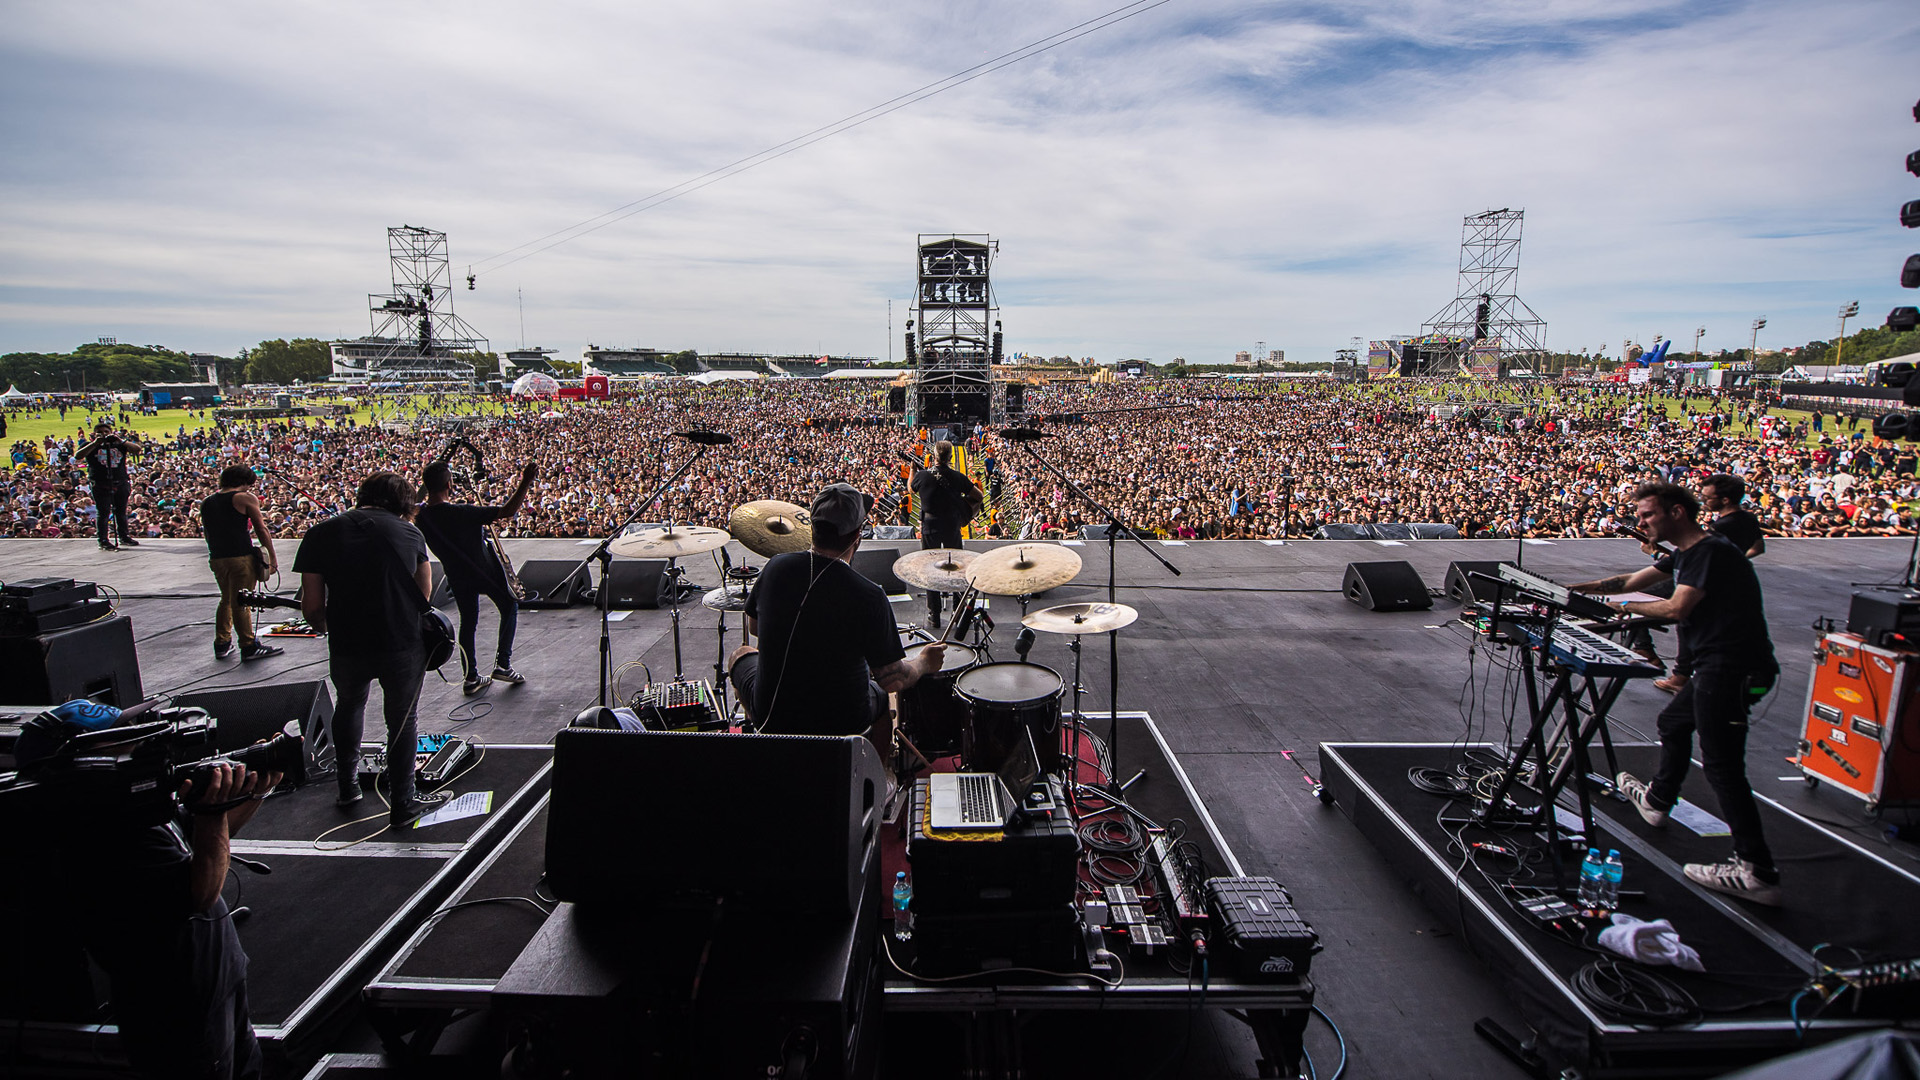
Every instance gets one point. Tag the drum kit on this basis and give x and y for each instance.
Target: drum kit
(974, 706)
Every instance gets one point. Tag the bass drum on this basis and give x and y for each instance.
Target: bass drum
(930, 715)
(1001, 700)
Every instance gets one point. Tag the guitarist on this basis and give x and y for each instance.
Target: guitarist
(948, 500)
(457, 533)
(364, 581)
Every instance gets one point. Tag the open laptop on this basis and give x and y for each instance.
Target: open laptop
(985, 800)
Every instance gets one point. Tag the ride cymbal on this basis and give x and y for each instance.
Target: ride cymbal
(672, 542)
(1023, 569)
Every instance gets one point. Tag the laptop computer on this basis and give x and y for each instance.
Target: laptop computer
(984, 800)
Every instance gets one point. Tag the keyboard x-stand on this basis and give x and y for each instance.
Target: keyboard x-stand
(1588, 673)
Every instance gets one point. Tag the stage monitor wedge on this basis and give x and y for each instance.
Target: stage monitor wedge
(543, 576)
(1462, 588)
(1386, 586)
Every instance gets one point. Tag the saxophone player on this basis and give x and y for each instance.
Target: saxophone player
(457, 533)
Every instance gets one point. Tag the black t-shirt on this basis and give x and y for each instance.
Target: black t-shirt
(107, 465)
(823, 631)
(455, 533)
(1740, 527)
(368, 558)
(946, 496)
(225, 527)
(1727, 629)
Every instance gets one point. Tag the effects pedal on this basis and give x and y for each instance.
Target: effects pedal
(446, 762)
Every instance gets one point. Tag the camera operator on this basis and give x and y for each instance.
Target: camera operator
(106, 458)
(145, 901)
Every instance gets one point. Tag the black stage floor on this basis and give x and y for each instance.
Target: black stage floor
(1251, 653)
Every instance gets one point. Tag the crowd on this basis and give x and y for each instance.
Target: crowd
(1180, 458)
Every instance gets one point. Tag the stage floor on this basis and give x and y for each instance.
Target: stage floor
(1251, 653)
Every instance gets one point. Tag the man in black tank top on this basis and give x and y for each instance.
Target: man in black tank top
(457, 533)
(225, 518)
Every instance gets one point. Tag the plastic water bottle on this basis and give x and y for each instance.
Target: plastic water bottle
(902, 907)
(1612, 871)
(1593, 873)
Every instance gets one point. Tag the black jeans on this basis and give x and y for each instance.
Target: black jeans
(467, 598)
(1714, 705)
(937, 536)
(399, 675)
(110, 500)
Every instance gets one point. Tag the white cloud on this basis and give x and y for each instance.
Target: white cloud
(1193, 179)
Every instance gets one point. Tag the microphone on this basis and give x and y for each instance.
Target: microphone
(1024, 643)
(704, 438)
(1023, 434)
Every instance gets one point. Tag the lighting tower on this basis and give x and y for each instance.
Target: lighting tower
(1486, 325)
(1846, 313)
(1753, 348)
(416, 319)
(958, 337)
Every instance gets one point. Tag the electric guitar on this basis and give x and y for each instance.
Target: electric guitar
(437, 632)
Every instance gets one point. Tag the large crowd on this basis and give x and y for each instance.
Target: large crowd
(1191, 459)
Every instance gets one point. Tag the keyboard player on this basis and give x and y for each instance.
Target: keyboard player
(1723, 622)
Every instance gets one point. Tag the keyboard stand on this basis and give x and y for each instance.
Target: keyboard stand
(1564, 756)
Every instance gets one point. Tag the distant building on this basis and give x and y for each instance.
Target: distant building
(1243, 358)
(520, 361)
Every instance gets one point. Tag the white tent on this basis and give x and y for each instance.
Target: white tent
(865, 373)
(536, 384)
(708, 378)
(13, 394)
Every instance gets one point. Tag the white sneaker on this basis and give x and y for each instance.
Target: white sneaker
(1735, 877)
(1634, 790)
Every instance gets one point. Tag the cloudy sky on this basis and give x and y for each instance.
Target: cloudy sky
(1204, 175)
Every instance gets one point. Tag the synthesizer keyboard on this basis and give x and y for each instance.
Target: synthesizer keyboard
(1590, 654)
(1579, 605)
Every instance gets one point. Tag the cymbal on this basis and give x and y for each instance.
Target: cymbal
(1081, 618)
(936, 569)
(669, 543)
(771, 527)
(729, 598)
(1023, 569)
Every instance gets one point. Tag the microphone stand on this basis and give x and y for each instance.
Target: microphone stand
(1115, 526)
(605, 556)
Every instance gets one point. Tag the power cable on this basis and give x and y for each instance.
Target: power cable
(800, 142)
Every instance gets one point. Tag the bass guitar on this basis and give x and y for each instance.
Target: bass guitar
(437, 633)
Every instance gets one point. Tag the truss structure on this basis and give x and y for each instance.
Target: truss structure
(415, 334)
(1487, 326)
(954, 333)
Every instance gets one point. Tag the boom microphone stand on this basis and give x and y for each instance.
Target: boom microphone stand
(701, 439)
(1026, 437)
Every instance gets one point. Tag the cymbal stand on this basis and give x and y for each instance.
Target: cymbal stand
(1073, 765)
(1115, 526)
(673, 601)
(605, 557)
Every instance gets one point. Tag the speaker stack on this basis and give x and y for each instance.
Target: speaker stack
(1386, 586)
(58, 643)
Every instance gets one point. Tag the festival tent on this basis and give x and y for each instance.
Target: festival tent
(708, 378)
(13, 394)
(536, 384)
(862, 373)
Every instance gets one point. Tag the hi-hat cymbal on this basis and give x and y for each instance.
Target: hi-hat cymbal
(771, 527)
(1023, 569)
(728, 598)
(1080, 618)
(672, 542)
(935, 569)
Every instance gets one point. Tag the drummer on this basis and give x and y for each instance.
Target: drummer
(830, 650)
(948, 500)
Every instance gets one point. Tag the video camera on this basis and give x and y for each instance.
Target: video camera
(131, 774)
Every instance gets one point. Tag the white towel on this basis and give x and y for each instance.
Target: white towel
(1651, 943)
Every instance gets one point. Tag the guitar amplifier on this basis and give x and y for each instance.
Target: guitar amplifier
(21, 623)
(34, 595)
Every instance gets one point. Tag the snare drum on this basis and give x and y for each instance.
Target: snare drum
(930, 715)
(1003, 698)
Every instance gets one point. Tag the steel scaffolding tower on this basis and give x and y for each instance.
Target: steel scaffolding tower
(1487, 325)
(416, 336)
(954, 333)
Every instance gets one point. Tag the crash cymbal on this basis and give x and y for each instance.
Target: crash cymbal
(1023, 569)
(771, 527)
(935, 569)
(672, 542)
(730, 598)
(1080, 618)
